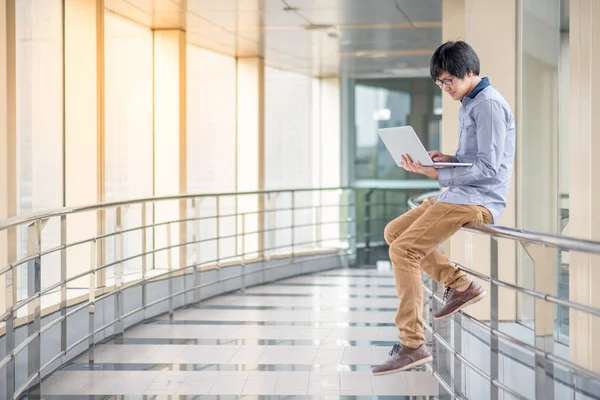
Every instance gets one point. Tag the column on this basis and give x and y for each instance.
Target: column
(8, 148)
(469, 20)
(8, 174)
(84, 125)
(170, 138)
(330, 163)
(584, 177)
(250, 147)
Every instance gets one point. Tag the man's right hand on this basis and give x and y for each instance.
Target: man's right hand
(438, 156)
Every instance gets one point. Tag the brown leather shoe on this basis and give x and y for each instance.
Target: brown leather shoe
(455, 301)
(402, 358)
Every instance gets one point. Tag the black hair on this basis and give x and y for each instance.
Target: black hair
(456, 58)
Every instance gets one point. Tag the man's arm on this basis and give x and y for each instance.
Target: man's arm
(491, 136)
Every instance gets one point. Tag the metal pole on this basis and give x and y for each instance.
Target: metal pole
(170, 266)
(243, 253)
(457, 342)
(11, 300)
(144, 259)
(293, 207)
(218, 238)
(92, 301)
(63, 284)
(367, 220)
(544, 259)
(197, 278)
(494, 323)
(119, 327)
(34, 286)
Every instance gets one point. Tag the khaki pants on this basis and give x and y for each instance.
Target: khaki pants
(413, 238)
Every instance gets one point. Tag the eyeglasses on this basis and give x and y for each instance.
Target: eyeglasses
(447, 82)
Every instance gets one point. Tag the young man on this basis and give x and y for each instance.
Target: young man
(475, 194)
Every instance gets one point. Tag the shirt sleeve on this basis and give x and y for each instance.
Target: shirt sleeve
(491, 137)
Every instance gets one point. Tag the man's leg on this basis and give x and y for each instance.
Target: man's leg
(435, 264)
(436, 224)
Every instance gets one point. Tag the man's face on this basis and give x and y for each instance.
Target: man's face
(455, 87)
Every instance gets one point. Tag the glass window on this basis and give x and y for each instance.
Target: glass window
(211, 146)
(128, 130)
(383, 103)
(288, 129)
(39, 126)
(544, 143)
(291, 160)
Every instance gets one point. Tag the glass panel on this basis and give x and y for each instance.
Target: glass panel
(129, 127)
(539, 141)
(292, 156)
(211, 146)
(383, 103)
(563, 167)
(288, 130)
(39, 126)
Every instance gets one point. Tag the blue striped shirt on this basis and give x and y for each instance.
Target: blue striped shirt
(487, 139)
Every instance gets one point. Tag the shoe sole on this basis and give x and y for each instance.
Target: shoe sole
(468, 303)
(411, 365)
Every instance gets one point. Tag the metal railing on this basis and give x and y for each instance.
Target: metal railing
(542, 248)
(210, 231)
(255, 233)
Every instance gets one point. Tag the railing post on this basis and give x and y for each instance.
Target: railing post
(544, 259)
(494, 320)
(170, 266)
(243, 253)
(367, 221)
(144, 259)
(457, 343)
(218, 239)
(319, 221)
(119, 327)
(293, 207)
(34, 286)
(351, 220)
(197, 277)
(92, 301)
(63, 283)
(11, 300)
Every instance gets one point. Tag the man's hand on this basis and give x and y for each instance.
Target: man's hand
(409, 165)
(437, 156)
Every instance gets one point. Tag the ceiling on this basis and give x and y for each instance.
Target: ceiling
(358, 38)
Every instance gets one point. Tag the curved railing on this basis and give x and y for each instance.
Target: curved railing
(175, 250)
(542, 248)
(161, 250)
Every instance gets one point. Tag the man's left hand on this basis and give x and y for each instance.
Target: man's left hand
(417, 168)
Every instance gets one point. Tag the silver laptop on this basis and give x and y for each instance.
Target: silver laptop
(403, 140)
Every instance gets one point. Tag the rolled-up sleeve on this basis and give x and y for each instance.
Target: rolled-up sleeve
(491, 132)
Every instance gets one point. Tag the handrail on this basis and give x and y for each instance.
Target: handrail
(545, 359)
(522, 235)
(22, 219)
(268, 253)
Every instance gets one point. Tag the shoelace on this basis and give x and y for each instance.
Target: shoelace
(396, 349)
(447, 293)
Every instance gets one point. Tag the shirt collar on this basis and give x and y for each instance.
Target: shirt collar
(480, 86)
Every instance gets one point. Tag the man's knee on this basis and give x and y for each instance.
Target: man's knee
(388, 234)
(405, 254)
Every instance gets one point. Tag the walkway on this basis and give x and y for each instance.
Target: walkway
(309, 335)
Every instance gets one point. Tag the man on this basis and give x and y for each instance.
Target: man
(475, 194)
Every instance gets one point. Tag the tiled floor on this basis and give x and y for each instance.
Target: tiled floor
(316, 335)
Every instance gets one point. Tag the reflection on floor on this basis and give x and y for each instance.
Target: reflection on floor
(306, 336)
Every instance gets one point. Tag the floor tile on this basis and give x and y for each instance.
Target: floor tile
(316, 335)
